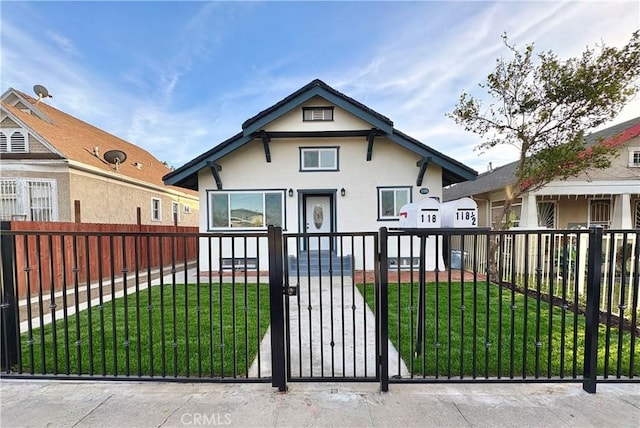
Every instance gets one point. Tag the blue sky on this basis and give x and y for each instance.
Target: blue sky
(178, 78)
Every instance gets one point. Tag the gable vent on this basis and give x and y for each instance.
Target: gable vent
(12, 141)
(18, 143)
(317, 114)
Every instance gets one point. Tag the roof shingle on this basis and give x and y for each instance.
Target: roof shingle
(76, 140)
(504, 175)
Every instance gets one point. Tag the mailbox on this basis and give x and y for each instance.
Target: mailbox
(461, 212)
(424, 214)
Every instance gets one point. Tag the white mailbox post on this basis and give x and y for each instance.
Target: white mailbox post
(424, 214)
(460, 213)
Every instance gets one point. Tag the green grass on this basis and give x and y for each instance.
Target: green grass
(485, 328)
(175, 332)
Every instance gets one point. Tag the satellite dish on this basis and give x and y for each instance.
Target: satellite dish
(115, 157)
(41, 92)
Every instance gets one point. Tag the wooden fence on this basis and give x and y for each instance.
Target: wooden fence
(61, 255)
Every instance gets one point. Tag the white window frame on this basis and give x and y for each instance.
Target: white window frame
(175, 209)
(320, 150)
(396, 204)
(634, 157)
(156, 213)
(24, 206)
(229, 226)
(8, 134)
(500, 204)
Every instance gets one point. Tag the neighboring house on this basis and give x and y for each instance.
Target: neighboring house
(53, 168)
(607, 197)
(317, 161)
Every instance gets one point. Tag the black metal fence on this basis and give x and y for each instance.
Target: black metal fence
(195, 318)
(497, 307)
(440, 305)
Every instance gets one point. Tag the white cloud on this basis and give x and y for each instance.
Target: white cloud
(63, 43)
(414, 77)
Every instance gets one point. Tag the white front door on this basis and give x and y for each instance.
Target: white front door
(318, 218)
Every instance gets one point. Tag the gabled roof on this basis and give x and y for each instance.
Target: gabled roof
(187, 175)
(310, 90)
(502, 176)
(72, 139)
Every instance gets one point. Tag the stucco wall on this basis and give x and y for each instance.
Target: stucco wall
(342, 120)
(357, 211)
(106, 200)
(391, 165)
(56, 170)
(572, 210)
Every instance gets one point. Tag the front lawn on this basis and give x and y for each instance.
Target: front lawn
(486, 331)
(179, 330)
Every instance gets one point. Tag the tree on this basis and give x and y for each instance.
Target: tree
(544, 106)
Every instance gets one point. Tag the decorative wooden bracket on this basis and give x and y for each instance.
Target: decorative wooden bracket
(422, 163)
(370, 138)
(215, 171)
(265, 143)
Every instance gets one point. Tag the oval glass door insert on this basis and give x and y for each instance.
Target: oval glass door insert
(318, 216)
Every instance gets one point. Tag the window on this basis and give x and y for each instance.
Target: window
(156, 209)
(547, 215)
(246, 209)
(8, 200)
(318, 158)
(175, 211)
(28, 199)
(600, 212)
(312, 114)
(13, 141)
(390, 200)
(634, 158)
(40, 200)
(497, 213)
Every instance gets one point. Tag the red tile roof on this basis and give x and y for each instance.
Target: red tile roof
(76, 140)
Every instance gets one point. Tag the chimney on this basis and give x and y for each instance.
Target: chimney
(490, 167)
(96, 151)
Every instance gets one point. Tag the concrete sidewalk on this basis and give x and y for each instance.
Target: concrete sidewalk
(163, 404)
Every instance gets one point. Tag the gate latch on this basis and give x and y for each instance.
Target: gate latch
(290, 290)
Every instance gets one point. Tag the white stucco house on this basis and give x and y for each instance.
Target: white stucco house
(317, 161)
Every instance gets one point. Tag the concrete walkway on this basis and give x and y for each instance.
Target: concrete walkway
(332, 333)
(163, 404)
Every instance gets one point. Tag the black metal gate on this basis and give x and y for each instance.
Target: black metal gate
(332, 329)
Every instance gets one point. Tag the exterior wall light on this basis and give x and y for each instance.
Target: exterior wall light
(291, 193)
(343, 192)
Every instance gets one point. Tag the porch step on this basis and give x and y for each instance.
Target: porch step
(319, 263)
